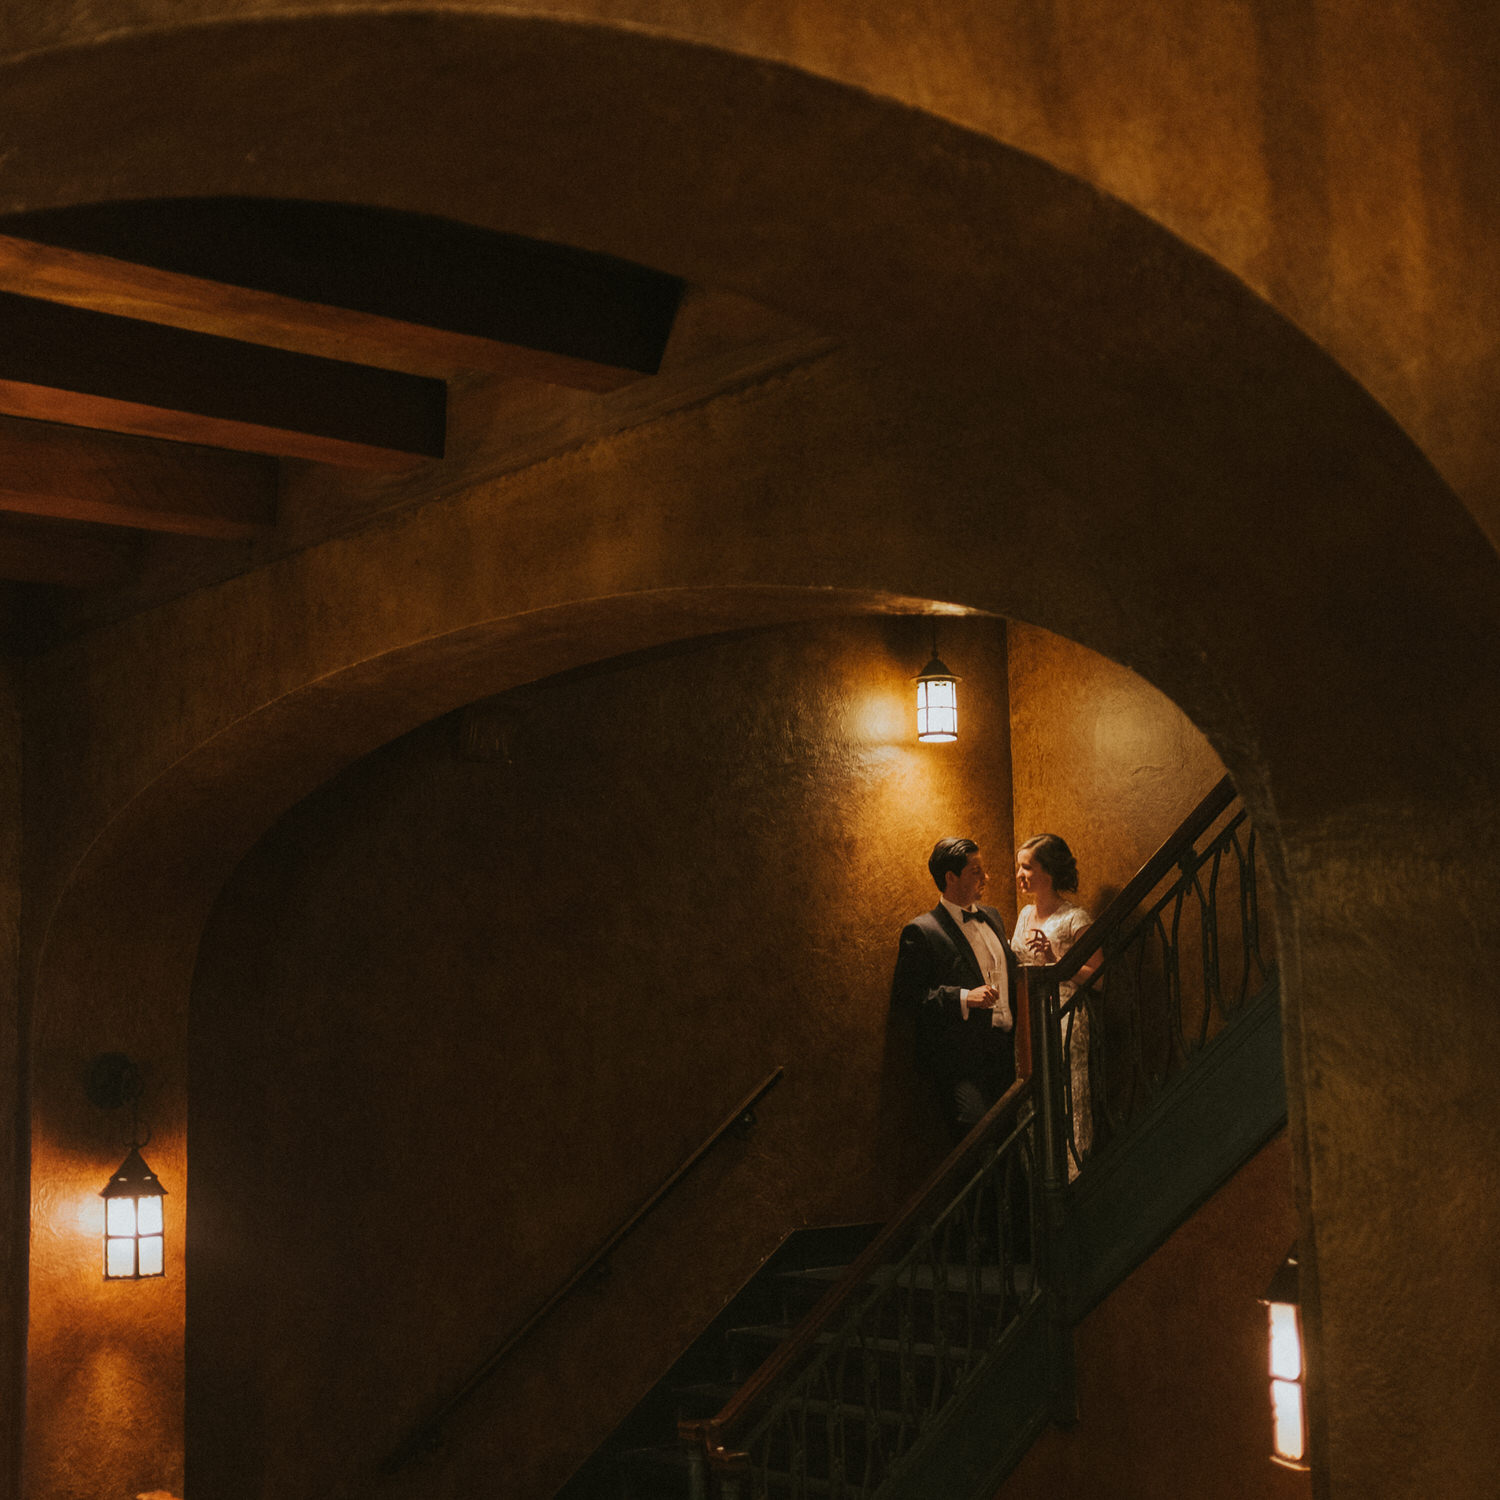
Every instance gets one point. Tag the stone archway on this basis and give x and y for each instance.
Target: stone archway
(1136, 452)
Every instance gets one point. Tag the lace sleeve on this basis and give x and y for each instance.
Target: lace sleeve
(1079, 922)
(1018, 937)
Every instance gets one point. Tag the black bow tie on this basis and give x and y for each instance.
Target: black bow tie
(973, 916)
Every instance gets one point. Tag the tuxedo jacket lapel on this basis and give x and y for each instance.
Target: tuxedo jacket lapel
(967, 966)
(964, 954)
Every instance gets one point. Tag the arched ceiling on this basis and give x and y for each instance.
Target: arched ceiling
(1335, 159)
(1042, 404)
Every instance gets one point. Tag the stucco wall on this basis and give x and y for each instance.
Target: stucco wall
(455, 1018)
(1100, 757)
(14, 1130)
(1059, 355)
(1173, 1395)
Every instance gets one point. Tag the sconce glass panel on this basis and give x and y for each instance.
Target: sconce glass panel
(1288, 1440)
(119, 1259)
(119, 1217)
(151, 1255)
(1286, 1342)
(937, 709)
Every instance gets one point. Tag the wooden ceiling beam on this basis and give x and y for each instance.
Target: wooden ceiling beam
(91, 369)
(370, 286)
(72, 474)
(64, 559)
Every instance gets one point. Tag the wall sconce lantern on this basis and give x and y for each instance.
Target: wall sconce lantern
(937, 701)
(1283, 1303)
(134, 1239)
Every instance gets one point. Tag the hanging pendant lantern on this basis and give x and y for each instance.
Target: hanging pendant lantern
(134, 1242)
(937, 703)
(1283, 1304)
(134, 1231)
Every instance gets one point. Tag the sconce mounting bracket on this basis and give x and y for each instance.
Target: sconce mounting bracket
(112, 1081)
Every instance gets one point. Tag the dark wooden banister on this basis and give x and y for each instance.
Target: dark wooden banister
(1144, 881)
(927, 1199)
(426, 1436)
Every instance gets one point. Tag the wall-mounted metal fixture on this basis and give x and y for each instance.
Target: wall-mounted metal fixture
(134, 1232)
(937, 701)
(1283, 1302)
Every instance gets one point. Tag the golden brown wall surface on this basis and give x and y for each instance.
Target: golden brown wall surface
(1100, 757)
(1173, 1395)
(14, 1131)
(1225, 505)
(456, 1017)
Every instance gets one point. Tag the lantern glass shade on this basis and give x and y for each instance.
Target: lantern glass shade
(150, 1253)
(1287, 1367)
(1288, 1431)
(134, 1242)
(1286, 1342)
(937, 704)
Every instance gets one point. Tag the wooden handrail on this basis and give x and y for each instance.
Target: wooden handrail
(1144, 881)
(426, 1436)
(876, 1254)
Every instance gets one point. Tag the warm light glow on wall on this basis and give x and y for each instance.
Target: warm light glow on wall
(877, 720)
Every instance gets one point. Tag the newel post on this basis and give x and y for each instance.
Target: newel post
(1054, 1258)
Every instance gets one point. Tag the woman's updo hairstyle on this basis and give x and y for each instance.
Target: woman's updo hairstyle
(1054, 856)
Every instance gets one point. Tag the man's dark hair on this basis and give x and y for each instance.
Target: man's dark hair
(950, 855)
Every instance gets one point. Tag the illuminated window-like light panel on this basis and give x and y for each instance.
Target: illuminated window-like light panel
(1288, 1433)
(134, 1237)
(937, 704)
(1286, 1343)
(1287, 1366)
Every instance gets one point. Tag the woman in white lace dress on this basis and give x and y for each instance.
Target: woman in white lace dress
(1047, 928)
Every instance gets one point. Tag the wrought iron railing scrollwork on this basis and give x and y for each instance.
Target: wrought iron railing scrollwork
(930, 1305)
(836, 1409)
(1182, 953)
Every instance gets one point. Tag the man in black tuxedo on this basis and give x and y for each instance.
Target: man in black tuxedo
(956, 974)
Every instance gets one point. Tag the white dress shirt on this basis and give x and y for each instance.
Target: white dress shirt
(989, 949)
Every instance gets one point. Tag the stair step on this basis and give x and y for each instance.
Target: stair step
(776, 1333)
(991, 1278)
(657, 1473)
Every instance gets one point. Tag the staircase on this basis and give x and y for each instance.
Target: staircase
(928, 1356)
(644, 1459)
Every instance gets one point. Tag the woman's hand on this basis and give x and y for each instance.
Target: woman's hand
(1040, 947)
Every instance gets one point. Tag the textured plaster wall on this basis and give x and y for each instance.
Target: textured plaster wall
(1125, 444)
(14, 1128)
(1173, 1395)
(1100, 757)
(454, 1018)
